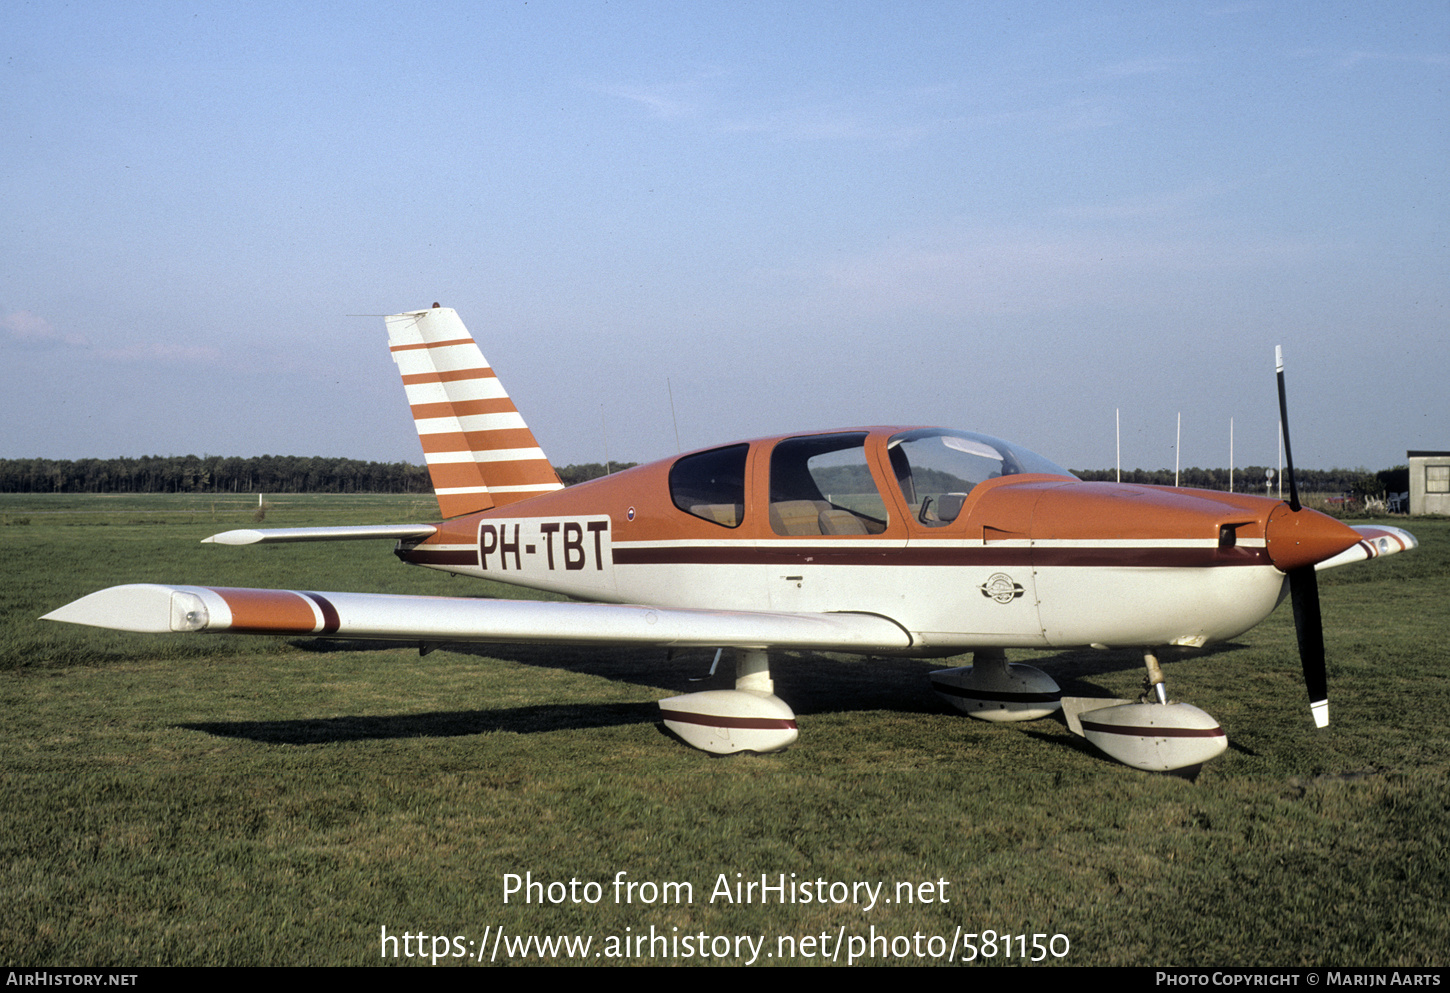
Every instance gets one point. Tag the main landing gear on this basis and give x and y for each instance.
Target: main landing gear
(749, 718)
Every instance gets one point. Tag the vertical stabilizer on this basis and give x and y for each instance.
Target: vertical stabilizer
(479, 451)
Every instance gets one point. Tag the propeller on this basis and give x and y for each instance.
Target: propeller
(1304, 584)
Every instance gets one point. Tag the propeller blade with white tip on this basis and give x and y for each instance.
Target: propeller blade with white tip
(1304, 584)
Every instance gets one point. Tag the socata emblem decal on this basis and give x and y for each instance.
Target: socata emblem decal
(1001, 588)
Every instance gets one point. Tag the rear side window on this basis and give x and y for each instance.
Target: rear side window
(711, 485)
(821, 485)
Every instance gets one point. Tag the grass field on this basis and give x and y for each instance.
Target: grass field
(212, 800)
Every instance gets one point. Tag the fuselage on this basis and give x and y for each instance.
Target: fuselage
(894, 522)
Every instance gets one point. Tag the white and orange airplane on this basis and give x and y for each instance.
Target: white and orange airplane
(909, 541)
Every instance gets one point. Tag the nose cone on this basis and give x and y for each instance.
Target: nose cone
(1305, 537)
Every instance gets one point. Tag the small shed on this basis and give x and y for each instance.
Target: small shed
(1429, 482)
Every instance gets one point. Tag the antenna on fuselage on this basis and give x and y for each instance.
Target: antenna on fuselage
(678, 447)
(604, 429)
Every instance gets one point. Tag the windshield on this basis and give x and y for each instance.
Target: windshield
(937, 468)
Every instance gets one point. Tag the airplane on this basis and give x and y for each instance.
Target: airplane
(879, 541)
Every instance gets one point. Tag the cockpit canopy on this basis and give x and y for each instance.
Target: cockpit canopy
(936, 468)
(823, 484)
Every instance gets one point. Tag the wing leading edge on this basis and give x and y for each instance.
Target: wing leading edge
(155, 608)
(264, 536)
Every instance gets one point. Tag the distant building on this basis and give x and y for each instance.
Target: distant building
(1429, 482)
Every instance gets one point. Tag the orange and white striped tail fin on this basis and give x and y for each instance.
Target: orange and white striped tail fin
(479, 451)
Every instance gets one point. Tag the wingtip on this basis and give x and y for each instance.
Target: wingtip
(145, 608)
(243, 536)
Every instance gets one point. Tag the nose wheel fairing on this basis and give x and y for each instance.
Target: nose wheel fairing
(992, 689)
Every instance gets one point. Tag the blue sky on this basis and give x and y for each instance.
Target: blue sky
(1009, 217)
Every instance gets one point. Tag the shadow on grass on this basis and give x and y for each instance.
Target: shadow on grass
(810, 673)
(444, 724)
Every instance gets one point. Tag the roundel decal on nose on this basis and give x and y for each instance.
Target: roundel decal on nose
(1000, 587)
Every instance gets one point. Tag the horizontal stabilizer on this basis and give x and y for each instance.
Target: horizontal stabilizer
(156, 608)
(263, 536)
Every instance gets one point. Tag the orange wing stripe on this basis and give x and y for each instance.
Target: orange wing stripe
(269, 610)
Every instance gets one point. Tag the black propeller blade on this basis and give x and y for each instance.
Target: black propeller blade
(1304, 585)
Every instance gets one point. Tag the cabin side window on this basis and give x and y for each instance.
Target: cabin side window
(822, 485)
(711, 485)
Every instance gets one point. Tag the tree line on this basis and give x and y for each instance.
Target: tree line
(1250, 479)
(231, 474)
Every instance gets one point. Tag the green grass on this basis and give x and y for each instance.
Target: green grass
(265, 801)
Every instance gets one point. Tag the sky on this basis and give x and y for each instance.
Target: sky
(728, 220)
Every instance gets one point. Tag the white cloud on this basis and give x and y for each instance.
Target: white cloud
(155, 351)
(1044, 269)
(33, 331)
(1355, 58)
(1144, 66)
(656, 100)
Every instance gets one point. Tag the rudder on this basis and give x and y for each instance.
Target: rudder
(479, 451)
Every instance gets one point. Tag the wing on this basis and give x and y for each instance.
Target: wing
(156, 608)
(1375, 540)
